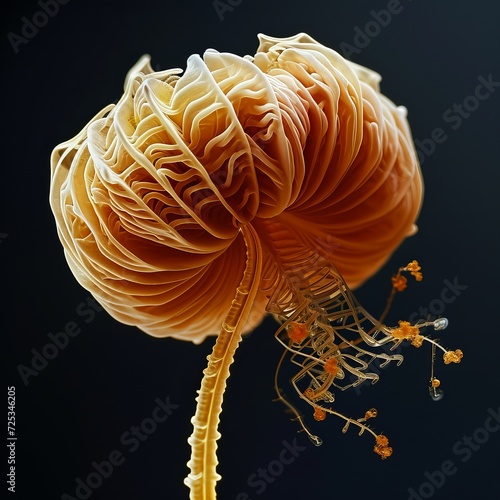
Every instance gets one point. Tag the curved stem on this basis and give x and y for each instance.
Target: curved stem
(203, 476)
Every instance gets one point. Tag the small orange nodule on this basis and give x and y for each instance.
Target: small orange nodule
(331, 366)
(417, 340)
(319, 414)
(371, 413)
(297, 332)
(414, 269)
(453, 356)
(405, 331)
(413, 266)
(383, 451)
(399, 282)
(435, 382)
(418, 276)
(382, 447)
(382, 440)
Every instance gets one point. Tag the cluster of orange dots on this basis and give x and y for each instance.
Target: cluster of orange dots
(399, 282)
(408, 332)
(414, 269)
(417, 340)
(382, 447)
(298, 332)
(453, 356)
(405, 330)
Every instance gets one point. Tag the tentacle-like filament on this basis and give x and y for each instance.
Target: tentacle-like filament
(334, 341)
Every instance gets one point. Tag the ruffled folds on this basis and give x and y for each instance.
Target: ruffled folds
(150, 196)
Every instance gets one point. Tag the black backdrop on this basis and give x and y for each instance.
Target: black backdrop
(79, 406)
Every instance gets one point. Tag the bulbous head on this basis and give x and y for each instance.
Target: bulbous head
(298, 142)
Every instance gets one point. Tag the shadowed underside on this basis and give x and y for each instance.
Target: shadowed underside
(193, 188)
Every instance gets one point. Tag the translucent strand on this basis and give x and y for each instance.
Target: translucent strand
(334, 341)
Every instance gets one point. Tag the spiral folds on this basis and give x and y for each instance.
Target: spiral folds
(298, 142)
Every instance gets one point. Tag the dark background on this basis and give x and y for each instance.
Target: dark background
(78, 407)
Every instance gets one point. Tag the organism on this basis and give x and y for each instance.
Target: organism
(276, 183)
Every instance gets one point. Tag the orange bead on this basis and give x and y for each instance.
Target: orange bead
(297, 332)
(319, 414)
(399, 282)
(331, 366)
